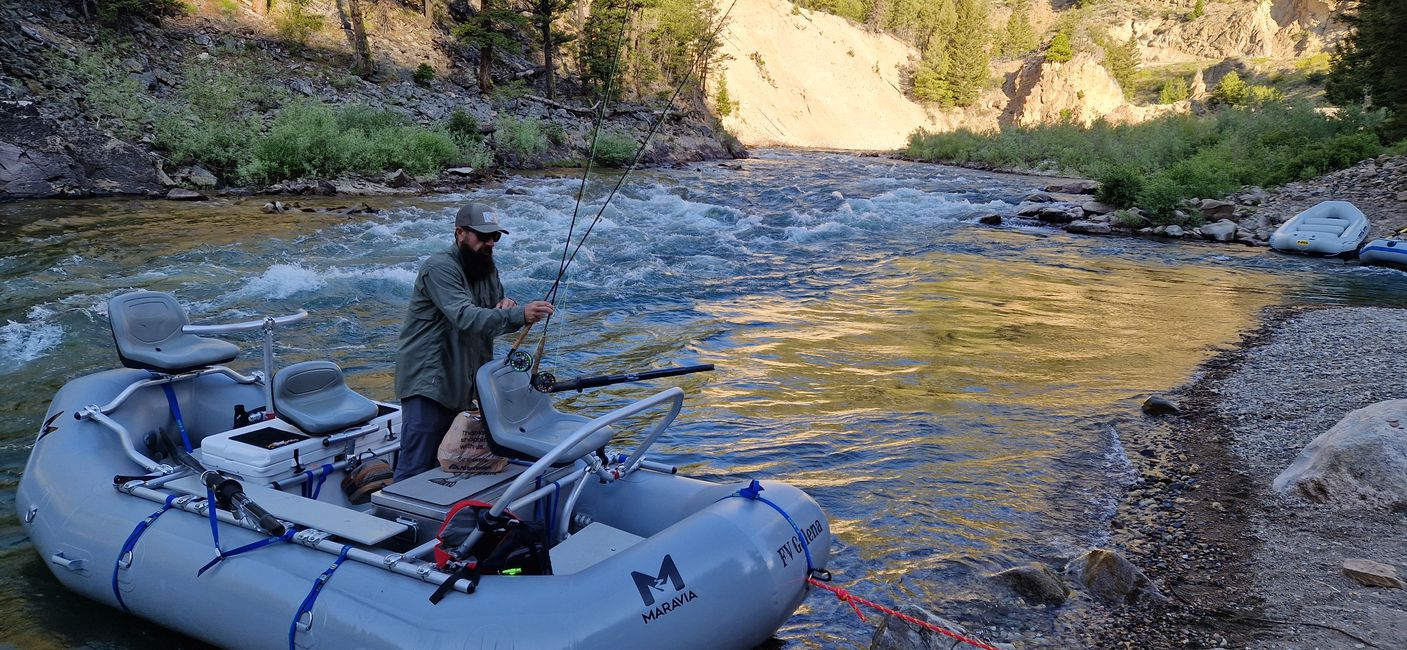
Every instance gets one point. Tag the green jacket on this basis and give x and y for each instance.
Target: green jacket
(449, 330)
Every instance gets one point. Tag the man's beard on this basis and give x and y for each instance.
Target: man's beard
(477, 266)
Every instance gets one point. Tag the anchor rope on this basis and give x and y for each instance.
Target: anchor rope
(855, 601)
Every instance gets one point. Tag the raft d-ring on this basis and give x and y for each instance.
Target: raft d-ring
(124, 561)
(824, 575)
(305, 621)
(30, 514)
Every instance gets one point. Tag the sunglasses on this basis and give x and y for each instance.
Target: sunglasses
(487, 236)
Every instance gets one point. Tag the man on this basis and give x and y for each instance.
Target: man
(456, 310)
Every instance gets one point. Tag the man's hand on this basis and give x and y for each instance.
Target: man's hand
(537, 310)
(506, 303)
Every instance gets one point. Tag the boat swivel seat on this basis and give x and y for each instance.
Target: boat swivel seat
(313, 395)
(147, 327)
(523, 420)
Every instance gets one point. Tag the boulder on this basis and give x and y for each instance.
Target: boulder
(1095, 207)
(1359, 462)
(461, 171)
(200, 177)
(1087, 227)
(326, 188)
(1057, 215)
(1073, 187)
(1037, 585)
(1372, 574)
(41, 158)
(1224, 230)
(1038, 197)
(1159, 405)
(183, 194)
(1029, 209)
(990, 219)
(398, 178)
(1214, 209)
(1112, 578)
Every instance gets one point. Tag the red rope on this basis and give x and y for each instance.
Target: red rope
(851, 599)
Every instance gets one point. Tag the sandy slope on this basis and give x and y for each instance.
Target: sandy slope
(846, 95)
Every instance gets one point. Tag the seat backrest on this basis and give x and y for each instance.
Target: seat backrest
(523, 419)
(313, 395)
(146, 325)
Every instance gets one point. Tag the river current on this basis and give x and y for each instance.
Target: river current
(950, 393)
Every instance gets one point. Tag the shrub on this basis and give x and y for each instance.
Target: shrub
(424, 74)
(1060, 49)
(510, 92)
(722, 101)
(1198, 10)
(295, 23)
(1261, 95)
(615, 149)
(1119, 187)
(463, 125)
(311, 139)
(1231, 90)
(1173, 90)
(518, 141)
(1160, 199)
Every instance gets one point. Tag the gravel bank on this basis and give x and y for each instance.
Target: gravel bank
(1246, 567)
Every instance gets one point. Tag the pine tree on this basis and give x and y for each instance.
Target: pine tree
(1369, 63)
(967, 52)
(1121, 60)
(1019, 37)
(544, 14)
(494, 31)
(1060, 49)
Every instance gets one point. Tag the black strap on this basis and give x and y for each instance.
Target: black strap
(469, 570)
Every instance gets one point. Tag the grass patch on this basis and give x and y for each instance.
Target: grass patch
(1174, 157)
(615, 149)
(519, 141)
(315, 140)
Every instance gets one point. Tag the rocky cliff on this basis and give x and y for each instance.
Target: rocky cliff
(810, 79)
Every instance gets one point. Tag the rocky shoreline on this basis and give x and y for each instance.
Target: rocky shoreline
(1245, 566)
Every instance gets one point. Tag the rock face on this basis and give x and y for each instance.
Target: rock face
(1080, 89)
(37, 161)
(1112, 578)
(1360, 462)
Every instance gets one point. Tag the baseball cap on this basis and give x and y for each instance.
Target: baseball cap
(477, 217)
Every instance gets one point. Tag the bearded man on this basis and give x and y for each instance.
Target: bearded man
(456, 310)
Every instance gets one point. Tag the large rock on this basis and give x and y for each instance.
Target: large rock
(1214, 209)
(1360, 462)
(1073, 187)
(1080, 89)
(1059, 215)
(1372, 574)
(1112, 578)
(39, 159)
(1224, 230)
(1037, 585)
(1087, 227)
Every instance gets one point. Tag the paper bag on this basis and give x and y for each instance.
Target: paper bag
(465, 448)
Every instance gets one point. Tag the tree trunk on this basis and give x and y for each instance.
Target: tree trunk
(548, 48)
(430, 11)
(355, 27)
(485, 68)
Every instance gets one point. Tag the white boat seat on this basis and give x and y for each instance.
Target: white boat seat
(523, 419)
(314, 396)
(146, 325)
(1332, 230)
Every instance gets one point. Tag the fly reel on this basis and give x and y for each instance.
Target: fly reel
(543, 382)
(519, 360)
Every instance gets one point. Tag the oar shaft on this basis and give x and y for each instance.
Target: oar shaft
(582, 383)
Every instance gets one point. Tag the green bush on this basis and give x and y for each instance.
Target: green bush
(463, 125)
(1198, 10)
(295, 23)
(1175, 156)
(1119, 187)
(1060, 49)
(1231, 90)
(519, 141)
(615, 149)
(316, 140)
(1173, 90)
(556, 133)
(424, 74)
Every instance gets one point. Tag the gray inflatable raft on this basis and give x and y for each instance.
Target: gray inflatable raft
(642, 557)
(1329, 228)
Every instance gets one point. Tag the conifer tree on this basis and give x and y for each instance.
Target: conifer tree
(1369, 63)
(1121, 60)
(493, 30)
(544, 15)
(1060, 49)
(1019, 37)
(967, 52)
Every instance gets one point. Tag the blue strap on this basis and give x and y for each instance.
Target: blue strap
(176, 413)
(311, 491)
(252, 546)
(307, 606)
(131, 544)
(754, 492)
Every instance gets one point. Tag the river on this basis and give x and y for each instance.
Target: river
(950, 393)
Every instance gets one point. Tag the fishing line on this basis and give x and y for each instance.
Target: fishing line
(544, 380)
